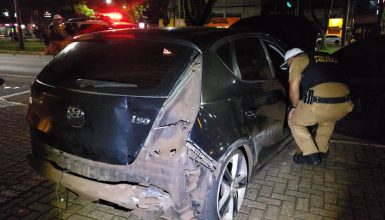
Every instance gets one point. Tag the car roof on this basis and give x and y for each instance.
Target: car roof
(201, 37)
(295, 31)
(371, 45)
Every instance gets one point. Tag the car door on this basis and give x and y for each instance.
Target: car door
(263, 98)
(276, 52)
(363, 64)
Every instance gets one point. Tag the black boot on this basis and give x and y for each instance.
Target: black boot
(323, 155)
(312, 159)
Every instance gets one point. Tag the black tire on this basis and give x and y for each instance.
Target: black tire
(227, 192)
(337, 42)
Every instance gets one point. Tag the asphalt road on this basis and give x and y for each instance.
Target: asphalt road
(19, 71)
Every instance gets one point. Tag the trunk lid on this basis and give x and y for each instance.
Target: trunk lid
(98, 99)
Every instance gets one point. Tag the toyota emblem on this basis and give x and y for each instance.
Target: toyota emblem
(75, 116)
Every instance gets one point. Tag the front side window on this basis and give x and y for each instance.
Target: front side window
(251, 59)
(277, 58)
(224, 52)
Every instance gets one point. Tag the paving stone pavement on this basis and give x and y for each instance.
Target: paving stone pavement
(350, 184)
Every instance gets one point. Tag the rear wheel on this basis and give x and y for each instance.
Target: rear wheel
(228, 191)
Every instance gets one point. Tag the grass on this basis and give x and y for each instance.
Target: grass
(329, 48)
(30, 45)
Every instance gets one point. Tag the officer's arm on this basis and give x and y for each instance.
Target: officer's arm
(62, 31)
(297, 66)
(294, 92)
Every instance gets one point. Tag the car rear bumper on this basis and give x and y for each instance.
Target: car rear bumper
(166, 183)
(128, 195)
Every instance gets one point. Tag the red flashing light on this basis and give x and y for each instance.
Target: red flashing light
(118, 35)
(116, 16)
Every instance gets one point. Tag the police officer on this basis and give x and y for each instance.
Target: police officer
(58, 37)
(318, 95)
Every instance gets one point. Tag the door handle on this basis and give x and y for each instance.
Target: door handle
(251, 113)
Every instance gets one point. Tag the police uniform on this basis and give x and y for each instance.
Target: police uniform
(319, 74)
(59, 38)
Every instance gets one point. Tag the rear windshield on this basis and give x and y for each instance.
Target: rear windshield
(130, 64)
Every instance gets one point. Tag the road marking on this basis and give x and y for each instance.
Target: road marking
(10, 75)
(5, 103)
(14, 94)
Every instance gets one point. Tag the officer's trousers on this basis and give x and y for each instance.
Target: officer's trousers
(325, 115)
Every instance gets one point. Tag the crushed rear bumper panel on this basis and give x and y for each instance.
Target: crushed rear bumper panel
(127, 195)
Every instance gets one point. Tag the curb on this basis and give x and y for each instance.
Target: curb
(22, 52)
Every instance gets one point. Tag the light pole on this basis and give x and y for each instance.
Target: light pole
(345, 24)
(19, 29)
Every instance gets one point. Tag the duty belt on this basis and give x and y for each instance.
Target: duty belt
(309, 99)
(331, 100)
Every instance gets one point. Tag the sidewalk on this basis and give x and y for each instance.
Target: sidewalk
(350, 184)
(22, 52)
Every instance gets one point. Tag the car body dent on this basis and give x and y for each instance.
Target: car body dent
(198, 125)
(111, 114)
(216, 135)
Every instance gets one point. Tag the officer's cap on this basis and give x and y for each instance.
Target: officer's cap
(289, 54)
(57, 16)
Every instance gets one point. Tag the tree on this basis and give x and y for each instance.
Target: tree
(137, 10)
(198, 12)
(383, 23)
(381, 17)
(158, 9)
(82, 10)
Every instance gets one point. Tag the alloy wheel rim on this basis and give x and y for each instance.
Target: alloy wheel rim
(232, 187)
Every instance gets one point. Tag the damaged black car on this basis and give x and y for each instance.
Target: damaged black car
(160, 119)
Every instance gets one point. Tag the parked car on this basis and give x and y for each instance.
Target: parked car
(160, 119)
(364, 64)
(78, 26)
(330, 39)
(122, 25)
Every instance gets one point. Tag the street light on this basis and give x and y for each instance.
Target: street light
(108, 1)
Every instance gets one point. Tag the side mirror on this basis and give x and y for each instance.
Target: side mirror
(1, 81)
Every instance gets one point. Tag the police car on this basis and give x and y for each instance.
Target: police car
(78, 26)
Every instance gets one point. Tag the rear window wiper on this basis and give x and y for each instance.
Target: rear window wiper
(100, 84)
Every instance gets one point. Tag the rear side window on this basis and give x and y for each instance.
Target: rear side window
(251, 59)
(139, 64)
